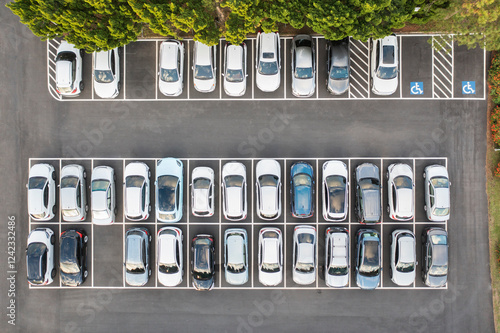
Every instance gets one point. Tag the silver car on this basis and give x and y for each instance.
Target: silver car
(234, 191)
(73, 192)
(337, 257)
(42, 192)
(202, 192)
(270, 256)
(171, 68)
(303, 66)
(107, 73)
(437, 193)
(235, 69)
(236, 256)
(69, 68)
(338, 65)
(400, 189)
(137, 245)
(335, 194)
(170, 256)
(268, 61)
(304, 254)
(204, 67)
(102, 195)
(384, 65)
(403, 257)
(136, 191)
(268, 189)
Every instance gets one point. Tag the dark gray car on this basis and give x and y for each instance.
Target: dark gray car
(137, 245)
(435, 257)
(338, 66)
(368, 204)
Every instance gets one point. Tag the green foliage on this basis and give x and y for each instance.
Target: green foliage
(494, 79)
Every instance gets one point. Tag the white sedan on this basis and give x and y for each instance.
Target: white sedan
(103, 196)
(42, 192)
(171, 77)
(270, 256)
(40, 256)
(268, 189)
(202, 192)
(335, 194)
(268, 62)
(107, 73)
(235, 69)
(403, 257)
(437, 193)
(204, 67)
(136, 191)
(303, 66)
(400, 191)
(73, 193)
(170, 263)
(304, 254)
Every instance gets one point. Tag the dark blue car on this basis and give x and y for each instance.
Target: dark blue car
(302, 190)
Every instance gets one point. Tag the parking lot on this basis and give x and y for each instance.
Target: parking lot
(107, 246)
(424, 73)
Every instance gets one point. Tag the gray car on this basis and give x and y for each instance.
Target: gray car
(435, 257)
(137, 245)
(368, 193)
(303, 66)
(236, 256)
(338, 66)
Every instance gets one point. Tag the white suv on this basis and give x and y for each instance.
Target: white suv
(270, 256)
(235, 69)
(202, 192)
(234, 191)
(384, 65)
(42, 192)
(107, 73)
(69, 65)
(204, 67)
(437, 193)
(268, 62)
(136, 191)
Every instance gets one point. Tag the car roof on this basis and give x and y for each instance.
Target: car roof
(101, 60)
(340, 55)
(406, 249)
(405, 200)
(442, 197)
(35, 198)
(203, 54)
(134, 247)
(234, 201)
(305, 252)
(303, 57)
(270, 250)
(234, 56)
(371, 207)
(64, 73)
(169, 53)
(167, 248)
(134, 201)
(201, 200)
(439, 254)
(235, 245)
(268, 43)
(68, 197)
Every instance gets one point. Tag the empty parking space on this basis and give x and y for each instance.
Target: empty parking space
(416, 67)
(140, 72)
(469, 80)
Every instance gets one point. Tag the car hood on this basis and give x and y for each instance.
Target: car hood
(269, 207)
(303, 87)
(203, 284)
(72, 280)
(304, 278)
(270, 279)
(170, 280)
(268, 83)
(337, 281)
(106, 90)
(403, 279)
(367, 282)
(136, 280)
(204, 85)
(303, 200)
(235, 88)
(170, 88)
(237, 278)
(338, 87)
(436, 281)
(385, 86)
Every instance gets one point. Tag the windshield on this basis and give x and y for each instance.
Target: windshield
(403, 182)
(339, 73)
(304, 267)
(268, 180)
(103, 76)
(135, 267)
(234, 75)
(270, 267)
(303, 73)
(70, 212)
(441, 211)
(404, 267)
(439, 182)
(336, 191)
(302, 180)
(69, 182)
(438, 270)
(439, 240)
(369, 184)
(236, 268)
(201, 184)
(268, 68)
(100, 185)
(169, 75)
(34, 261)
(387, 73)
(234, 181)
(168, 268)
(203, 72)
(338, 270)
(37, 183)
(370, 264)
(134, 181)
(166, 193)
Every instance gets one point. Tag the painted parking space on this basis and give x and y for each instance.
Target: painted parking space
(416, 74)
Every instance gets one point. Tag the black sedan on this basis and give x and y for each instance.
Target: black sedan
(73, 257)
(203, 263)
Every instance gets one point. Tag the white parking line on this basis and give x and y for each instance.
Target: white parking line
(349, 219)
(382, 222)
(400, 67)
(221, 241)
(125, 72)
(221, 68)
(250, 212)
(188, 238)
(317, 223)
(187, 67)
(284, 67)
(91, 224)
(123, 230)
(156, 71)
(284, 219)
(253, 68)
(414, 213)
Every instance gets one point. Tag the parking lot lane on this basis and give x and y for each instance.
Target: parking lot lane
(205, 229)
(420, 165)
(416, 66)
(278, 93)
(255, 252)
(250, 252)
(287, 206)
(140, 70)
(108, 255)
(472, 72)
(214, 165)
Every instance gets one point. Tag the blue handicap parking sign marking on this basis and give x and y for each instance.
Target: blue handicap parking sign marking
(468, 87)
(417, 88)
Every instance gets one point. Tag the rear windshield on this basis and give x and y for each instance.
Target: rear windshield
(234, 181)
(169, 75)
(36, 261)
(268, 180)
(336, 192)
(203, 72)
(37, 183)
(339, 73)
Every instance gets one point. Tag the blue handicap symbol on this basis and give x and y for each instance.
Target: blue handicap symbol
(417, 88)
(468, 87)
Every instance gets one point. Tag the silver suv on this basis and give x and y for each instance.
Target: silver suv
(69, 65)
(368, 193)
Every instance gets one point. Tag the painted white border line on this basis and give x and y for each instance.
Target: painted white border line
(238, 158)
(234, 288)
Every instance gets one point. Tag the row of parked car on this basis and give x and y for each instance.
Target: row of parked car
(107, 78)
(169, 191)
(170, 268)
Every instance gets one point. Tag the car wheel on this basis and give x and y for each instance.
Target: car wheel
(388, 209)
(86, 208)
(425, 207)
(85, 239)
(149, 238)
(54, 210)
(115, 210)
(85, 175)
(423, 175)
(149, 174)
(149, 272)
(120, 51)
(53, 175)
(52, 239)
(119, 85)
(149, 208)
(53, 273)
(387, 175)
(82, 85)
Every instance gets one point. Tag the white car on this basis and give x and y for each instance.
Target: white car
(103, 196)
(170, 263)
(337, 257)
(268, 189)
(69, 66)
(73, 192)
(202, 192)
(171, 68)
(384, 65)
(107, 73)
(403, 257)
(335, 194)
(304, 254)
(234, 191)
(40, 256)
(204, 67)
(235, 69)
(136, 191)
(236, 256)
(270, 256)
(303, 66)
(268, 62)
(400, 189)
(42, 192)
(437, 193)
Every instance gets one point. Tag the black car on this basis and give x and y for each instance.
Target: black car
(203, 263)
(435, 257)
(73, 257)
